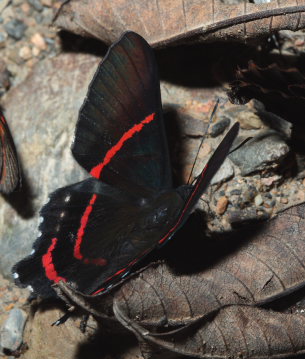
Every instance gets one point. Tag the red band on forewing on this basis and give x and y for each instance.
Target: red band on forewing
(47, 262)
(96, 171)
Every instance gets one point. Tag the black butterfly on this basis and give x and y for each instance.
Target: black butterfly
(9, 166)
(94, 231)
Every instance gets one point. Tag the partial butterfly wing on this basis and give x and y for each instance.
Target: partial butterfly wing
(9, 166)
(194, 192)
(120, 135)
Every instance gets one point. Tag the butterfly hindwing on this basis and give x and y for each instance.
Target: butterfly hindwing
(120, 136)
(92, 232)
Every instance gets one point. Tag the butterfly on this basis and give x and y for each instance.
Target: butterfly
(9, 165)
(94, 231)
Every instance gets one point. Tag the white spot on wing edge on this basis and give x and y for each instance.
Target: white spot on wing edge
(67, 198)
(40, 220)
(32, 251)
(30, 288)
(15, 275)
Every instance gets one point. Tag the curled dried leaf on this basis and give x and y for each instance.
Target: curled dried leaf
(266, 263)
(165, 22)
(234, 332)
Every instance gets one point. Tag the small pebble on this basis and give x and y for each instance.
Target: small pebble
(219, 127)
(3, 38)
(15, 29)
(36, 5)
(258, 200)
(267, 204)
(35, 51)
(11, 332)
(25, 53)
(39, 18)
(14, 56)
(38, 41)
(47, 3)
(222, 205)
(284, 200)
(25, 7)
(17, 2)
(235, 192)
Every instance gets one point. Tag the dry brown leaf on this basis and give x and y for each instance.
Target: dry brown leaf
(234, 332)
(268, 264)
(163, 22)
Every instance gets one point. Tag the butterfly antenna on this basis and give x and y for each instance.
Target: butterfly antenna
(203, 137)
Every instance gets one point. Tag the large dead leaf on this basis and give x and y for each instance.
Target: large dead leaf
(265, 264)
(164, 22)
(234, 332)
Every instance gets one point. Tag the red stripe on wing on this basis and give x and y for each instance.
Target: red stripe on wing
(47, 262)
(96, 171)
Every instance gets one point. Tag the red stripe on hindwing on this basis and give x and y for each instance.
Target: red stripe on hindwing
(96, 171)
(80, 235)
(47, 262)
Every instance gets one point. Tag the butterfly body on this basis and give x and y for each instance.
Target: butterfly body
(94, 231)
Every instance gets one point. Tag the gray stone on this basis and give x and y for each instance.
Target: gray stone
(248, 119)
(265, 151)
(11, 332)
(37, 5)
(3, 37)
(225, 172)
(15, 28)
(42, 112)
(218, 128)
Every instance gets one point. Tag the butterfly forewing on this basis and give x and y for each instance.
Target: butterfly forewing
(120, 135)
